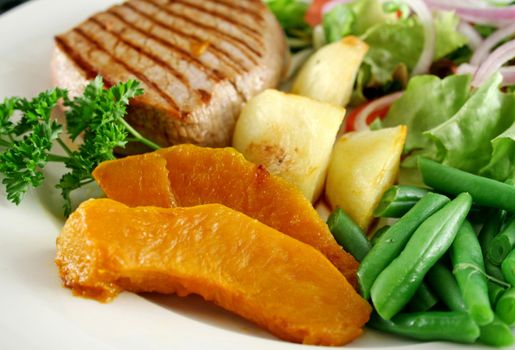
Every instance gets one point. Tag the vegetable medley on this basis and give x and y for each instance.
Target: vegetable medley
(443, 269)
(444, 69)
(429, 91)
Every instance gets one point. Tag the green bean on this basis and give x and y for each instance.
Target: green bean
(423, 300)
(484, 191)
(496, 333)
(395, 286)
(495, 291)
(491, 228)
(391, 243)
(505, 307)
(444, 285)
(348, 234)
(502, 244)
(378, 234)
(398, 200)
(430, 325)
(493, 271)
(508, 268)
(469, 269)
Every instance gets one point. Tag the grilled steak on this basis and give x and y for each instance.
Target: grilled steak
(198, 61)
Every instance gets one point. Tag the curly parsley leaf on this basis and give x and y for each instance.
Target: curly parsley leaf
(98, 116)
(27, 142)
(27, 138)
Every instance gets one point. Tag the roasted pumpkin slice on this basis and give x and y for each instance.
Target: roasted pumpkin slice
(152, 186)
(201, 175)
(279, 283)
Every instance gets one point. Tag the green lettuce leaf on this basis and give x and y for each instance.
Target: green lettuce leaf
(352, 18)
(502, 163)
(290, 13)
(368, 13)
(338, 23)
(465, 140)
(427, 102)
(393, 43)
(448, 39)
(473, 131)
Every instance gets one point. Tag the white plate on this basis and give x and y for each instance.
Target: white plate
(36, 312)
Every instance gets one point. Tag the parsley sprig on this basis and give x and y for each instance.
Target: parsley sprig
(29, 136)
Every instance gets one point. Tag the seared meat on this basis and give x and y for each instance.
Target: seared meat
(198, 61)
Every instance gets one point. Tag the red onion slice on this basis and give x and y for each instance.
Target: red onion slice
(475, 40)
(482, 51)
(428, 52)
(466, 68)
(474, 12)
(360, 123)
(496, 60)
(508, 73)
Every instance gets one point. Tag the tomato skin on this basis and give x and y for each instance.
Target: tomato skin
(350, 120)
(314, 14)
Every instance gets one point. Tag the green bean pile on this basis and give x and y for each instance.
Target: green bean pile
(433, 275)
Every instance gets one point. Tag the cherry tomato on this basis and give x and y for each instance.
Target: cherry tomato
(314, 14)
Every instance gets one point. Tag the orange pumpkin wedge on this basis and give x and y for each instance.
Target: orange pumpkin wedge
(201, 175)
(152, 186)
(244, 266)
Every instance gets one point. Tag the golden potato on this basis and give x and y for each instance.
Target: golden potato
(292, 136)
(329, 74)
(363, 166)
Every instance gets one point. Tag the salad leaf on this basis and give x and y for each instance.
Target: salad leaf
(399, 7)
(352, 18)
(368, 13)
(338, 23)
(449, 123)
(427, 102)
(448, 39)
(393, 43)
(465, 140)
(289, 13)
(502, 163)
(485, 30)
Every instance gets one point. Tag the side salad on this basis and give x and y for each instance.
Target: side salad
(444, 268)
(443, 69)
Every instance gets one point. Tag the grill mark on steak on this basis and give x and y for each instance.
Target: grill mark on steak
(231, 5)
(89, 71)
(211, 73)
(141, 50)
(251, 53)
(127, 41)
(250, 31)
(220, 53)
(140, 76)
